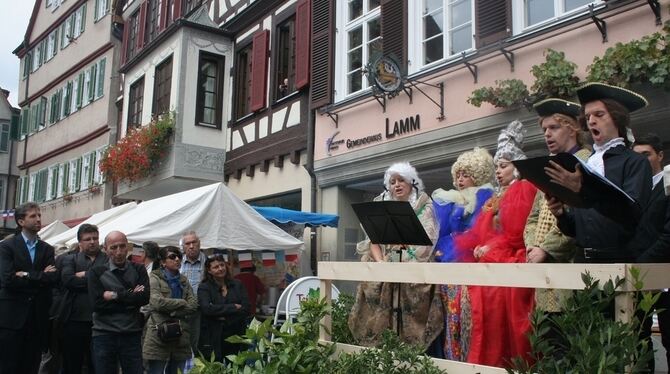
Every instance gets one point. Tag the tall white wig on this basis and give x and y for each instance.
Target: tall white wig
(408, 173)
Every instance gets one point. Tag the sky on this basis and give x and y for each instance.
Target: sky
(14, 17)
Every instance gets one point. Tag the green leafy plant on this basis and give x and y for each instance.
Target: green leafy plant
(586, 338)
(506, 93)
(646, 60)
(555, 77)
(392, 356)
(340, 319)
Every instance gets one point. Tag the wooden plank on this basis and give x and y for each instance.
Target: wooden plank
(561, 276)
(326, 292)
(449, 366)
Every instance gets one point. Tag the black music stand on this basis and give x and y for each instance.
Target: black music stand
(392, 222)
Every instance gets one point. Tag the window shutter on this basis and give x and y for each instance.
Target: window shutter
(83, 18)
(15, 127)
(176, 12)
(493, 21)
(34, 112)
(80, 89)
(96, 14)
(66, 178)
(322, 53)
(394, 30)
(19, 184)
(77, 175)
(25, 116)
(302, 18)
(100, 84)
(142, 28)
(43, 111)
(126, 36)
(59, 97)
(162, 22)
(68, 98)
(259, 63)
(91, 83)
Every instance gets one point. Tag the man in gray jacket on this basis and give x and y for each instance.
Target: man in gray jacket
(117, 290)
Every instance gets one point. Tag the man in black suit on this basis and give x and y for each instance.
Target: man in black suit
(78, 319)
(603, 229)
(27, 273)
(652, 238)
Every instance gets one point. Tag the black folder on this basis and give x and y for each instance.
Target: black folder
(593, 183)
(391, 222)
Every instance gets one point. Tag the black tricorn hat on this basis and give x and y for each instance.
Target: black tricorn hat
(593, 91)
(551, 106)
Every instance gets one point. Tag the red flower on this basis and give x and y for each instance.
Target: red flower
(140, 152)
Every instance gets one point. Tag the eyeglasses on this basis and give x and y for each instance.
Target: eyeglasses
(174, 256)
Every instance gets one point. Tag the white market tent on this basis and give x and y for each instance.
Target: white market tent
(54, 228)
(219, 217)
(97, 219)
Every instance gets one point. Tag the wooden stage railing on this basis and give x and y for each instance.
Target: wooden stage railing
(559, 276)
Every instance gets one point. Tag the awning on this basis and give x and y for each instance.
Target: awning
(305, 218)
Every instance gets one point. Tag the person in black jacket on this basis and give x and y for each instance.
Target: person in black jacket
(27, 274)
(77, 314)
(117, 291)
(603, 229)
(652, 238)
(224, 305)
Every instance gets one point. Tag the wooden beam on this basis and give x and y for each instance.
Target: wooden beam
(250, 171)
(279, 161)
(265, 166)
(560, 276)
(295, 157)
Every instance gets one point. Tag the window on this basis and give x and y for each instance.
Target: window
(27, 64)
(66, 32)
(52, 182)
(152, 22)
(87, 164)
(98, 177)
(361, 41)
(538, 11)
(54, 112)
(78, 21)
(31, 187)
(76, 95)
(25, 119)
(22, 190)
(210, 89)
(85, 87)
(135, 99)
(133, 31)
(37, 57)
(162, 86)
(169, 17)
(92, 71)
(52, 44)
(446, 29)
(101, 9)
(4, 137)
(41, 113)
(63, 178)
(243, 81)
(74, 177)
(40, 186)
(66, 99)
(285, 59)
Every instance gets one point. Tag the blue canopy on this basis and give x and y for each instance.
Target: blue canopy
(286, 215)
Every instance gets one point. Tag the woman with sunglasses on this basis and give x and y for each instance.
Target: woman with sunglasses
(171, 299)
(224, 305)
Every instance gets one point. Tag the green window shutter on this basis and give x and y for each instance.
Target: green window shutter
(34, 111)
(83, 18)
(25, 114)
(91, 83)
(68, 98)
(66, 178)
(80, 89)
(77, 178)
(57, 41)
(17, 193)
(100, 85)
(91, 168)
(96, 15)
(15, 127)
(43, 111)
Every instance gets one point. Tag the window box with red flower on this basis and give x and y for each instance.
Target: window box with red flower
(140, 152)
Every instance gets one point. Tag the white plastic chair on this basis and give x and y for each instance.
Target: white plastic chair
(289, 301)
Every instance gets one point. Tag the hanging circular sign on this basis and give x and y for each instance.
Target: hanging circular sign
(387, 75)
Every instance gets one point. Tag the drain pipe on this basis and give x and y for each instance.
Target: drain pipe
(312, 179)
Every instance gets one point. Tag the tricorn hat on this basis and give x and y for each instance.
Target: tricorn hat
(551, 106)
(596, 91)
